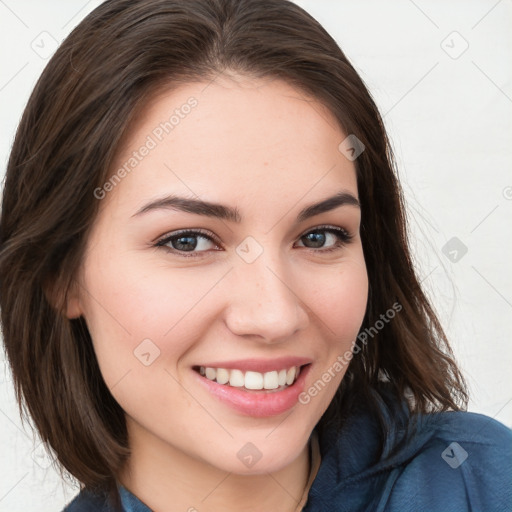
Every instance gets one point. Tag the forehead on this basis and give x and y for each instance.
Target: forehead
(249, 138)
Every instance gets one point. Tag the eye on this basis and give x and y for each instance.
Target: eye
(333, 236)
(187, 241)
(194, 242)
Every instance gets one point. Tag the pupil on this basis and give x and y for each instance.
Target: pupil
(317, 238)
(191, 240)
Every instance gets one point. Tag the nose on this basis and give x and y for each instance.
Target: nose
(263, 303)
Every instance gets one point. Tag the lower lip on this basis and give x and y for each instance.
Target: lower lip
(261, 403)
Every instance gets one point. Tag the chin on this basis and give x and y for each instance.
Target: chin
(255, 453)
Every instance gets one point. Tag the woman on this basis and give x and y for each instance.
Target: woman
(207, 296)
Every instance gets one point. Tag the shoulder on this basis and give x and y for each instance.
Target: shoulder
(473, 426)
(440, 462)
(463, 461)
(86, 501)
(485, 437)
(466, 436)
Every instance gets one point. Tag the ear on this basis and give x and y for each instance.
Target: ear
(67, 303)
(73, 308)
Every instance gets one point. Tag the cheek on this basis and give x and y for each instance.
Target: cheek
(340, 299)
(341, 306)
(131, 311)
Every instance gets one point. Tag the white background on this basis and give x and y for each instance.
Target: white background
(450, 120)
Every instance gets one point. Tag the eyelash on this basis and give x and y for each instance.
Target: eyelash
(344, 238)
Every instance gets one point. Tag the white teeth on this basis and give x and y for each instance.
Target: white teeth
(290, 375)
(270, 380)
(210, 373)
(252, 380)
(236, 379)
(222, 375)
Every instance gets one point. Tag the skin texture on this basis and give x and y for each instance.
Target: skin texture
(268, 150)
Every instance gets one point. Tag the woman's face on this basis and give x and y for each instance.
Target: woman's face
(265, 283)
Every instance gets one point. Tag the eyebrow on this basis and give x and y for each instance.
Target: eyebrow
(220, 211)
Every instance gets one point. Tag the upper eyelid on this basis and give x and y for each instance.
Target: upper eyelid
(207, 234)
(182, 232)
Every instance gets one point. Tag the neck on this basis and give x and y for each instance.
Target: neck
(165, 478)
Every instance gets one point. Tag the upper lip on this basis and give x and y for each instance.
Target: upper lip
(259, 365)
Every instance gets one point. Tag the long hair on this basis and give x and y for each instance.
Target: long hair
(88, 95)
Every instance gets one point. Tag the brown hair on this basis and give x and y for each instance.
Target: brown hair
(72, 127)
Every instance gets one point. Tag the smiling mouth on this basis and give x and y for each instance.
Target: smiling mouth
(272, 381)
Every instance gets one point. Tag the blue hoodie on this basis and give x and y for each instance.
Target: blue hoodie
(440, 462)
